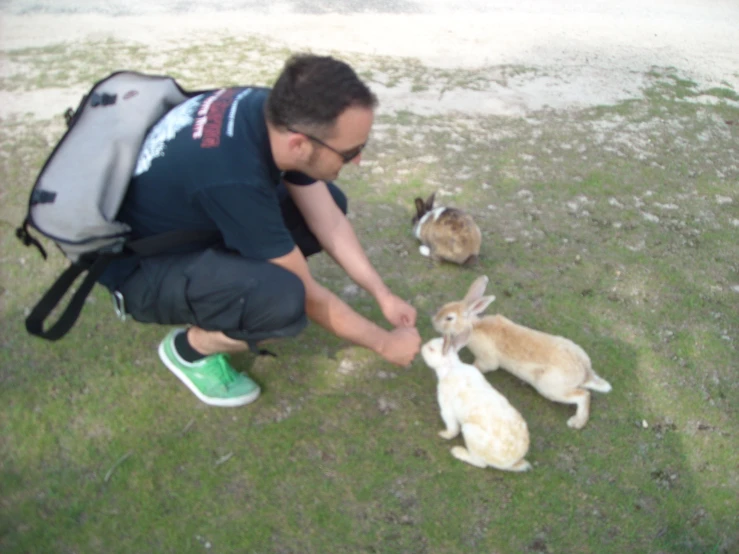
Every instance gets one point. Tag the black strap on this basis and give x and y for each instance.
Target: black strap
(35, 320)
(27, 239)
(162, 242)
(95, 267)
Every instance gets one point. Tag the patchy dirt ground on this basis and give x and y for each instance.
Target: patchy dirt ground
(524, 55)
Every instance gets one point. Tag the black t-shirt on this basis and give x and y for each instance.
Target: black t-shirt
(207, 165)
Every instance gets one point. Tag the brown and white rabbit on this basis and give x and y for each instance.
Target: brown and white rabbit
(555, 366)
(494, 432)
(446, 234)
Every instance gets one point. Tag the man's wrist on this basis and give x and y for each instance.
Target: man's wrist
(382, 343)
(382, 294)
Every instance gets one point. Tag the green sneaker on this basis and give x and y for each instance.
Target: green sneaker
(211, 379)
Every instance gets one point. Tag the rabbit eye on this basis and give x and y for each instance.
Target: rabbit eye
(450, 318)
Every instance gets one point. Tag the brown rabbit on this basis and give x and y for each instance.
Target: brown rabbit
(556, 367)
(446, 234)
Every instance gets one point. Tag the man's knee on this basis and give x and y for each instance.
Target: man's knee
(282, 298)
(272, 307)
(218, 291)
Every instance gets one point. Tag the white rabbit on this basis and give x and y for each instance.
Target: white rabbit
(494, 432)
(556, 367)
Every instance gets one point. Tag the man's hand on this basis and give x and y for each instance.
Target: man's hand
(397, 311)
(401, 346)
(398, 346)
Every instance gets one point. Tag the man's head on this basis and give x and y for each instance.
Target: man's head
(325, 112)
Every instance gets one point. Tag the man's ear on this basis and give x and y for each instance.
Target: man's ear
(299, 147)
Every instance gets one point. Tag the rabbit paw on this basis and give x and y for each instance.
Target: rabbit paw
(463, 454)
(521, 465)
(485, 368)
(448, 435)
(576, 422)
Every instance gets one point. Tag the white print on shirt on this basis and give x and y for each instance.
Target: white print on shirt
(165, 130)
(197, 129)
(232, 111)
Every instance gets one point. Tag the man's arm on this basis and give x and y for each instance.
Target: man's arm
(337, 237)
(328, 310)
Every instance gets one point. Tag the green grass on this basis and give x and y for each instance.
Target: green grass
(602, 225)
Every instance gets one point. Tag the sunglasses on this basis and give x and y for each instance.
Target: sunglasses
(346, 156)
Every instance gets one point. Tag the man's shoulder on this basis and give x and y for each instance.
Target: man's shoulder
(254, 94)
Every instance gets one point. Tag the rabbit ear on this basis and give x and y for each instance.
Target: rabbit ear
(476, 289)
(446, 345)
(460, 340)
(478, 306)
(430, 202)
(420, 208)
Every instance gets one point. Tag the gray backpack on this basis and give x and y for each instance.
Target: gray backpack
(80, 188)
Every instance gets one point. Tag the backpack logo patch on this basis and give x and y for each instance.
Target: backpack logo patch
(103, 99)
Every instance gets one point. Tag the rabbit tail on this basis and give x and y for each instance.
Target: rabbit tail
(596, 383)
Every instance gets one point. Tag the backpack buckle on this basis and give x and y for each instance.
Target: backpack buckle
(119, 305)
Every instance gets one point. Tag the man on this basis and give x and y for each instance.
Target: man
(256, 166)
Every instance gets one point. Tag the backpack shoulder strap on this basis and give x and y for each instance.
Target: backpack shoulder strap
(148, 246)
(35, 320)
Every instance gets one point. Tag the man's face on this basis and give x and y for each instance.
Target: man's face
(351, 132)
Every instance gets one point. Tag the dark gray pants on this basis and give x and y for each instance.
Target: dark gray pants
(219, 290)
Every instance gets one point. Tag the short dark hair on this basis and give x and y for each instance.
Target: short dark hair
(312, 91)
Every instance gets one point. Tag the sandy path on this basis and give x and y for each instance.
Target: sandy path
(585, 53)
